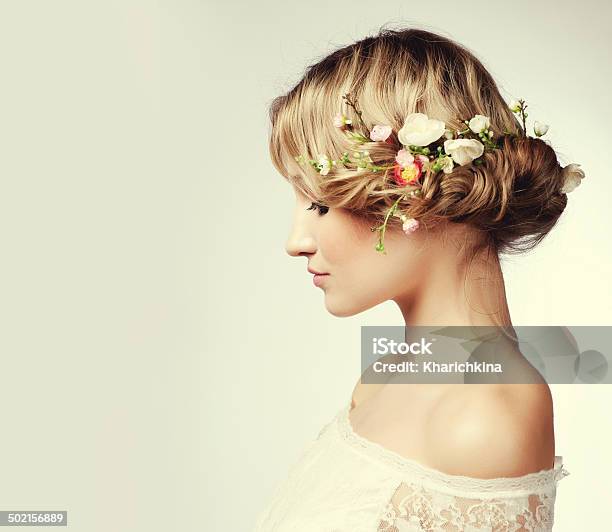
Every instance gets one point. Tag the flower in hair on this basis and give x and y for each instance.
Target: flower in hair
(515, 106)
(409, 168)
(380, 133)
(322, 165)
(572, 177)
(445, 164)
(341, 121)
(420, 130)
(409, 225)
(540, 129)
(427, 148)
(404, 157)
(463, 151)
(572, 173)
(479, 123)
(518, 107)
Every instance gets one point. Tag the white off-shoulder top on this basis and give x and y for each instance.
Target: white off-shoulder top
(343, 482)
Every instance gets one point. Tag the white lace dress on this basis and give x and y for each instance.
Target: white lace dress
(346, 483)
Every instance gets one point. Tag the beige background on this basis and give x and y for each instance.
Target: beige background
(163, 361)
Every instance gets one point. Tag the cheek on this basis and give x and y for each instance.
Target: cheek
(348, 246)
(345, 241)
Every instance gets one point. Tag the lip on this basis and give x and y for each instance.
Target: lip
(319, 278)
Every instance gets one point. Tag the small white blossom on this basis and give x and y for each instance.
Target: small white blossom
(325, 164)
(479, 123)
(340, 120)
(447, 165)
(540, 129)
(515, 106)
(463, 151)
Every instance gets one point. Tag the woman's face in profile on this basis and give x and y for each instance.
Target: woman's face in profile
(341, 245)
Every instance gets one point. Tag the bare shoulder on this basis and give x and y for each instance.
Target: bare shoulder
(491, 431)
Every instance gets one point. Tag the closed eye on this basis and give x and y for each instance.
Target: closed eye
(321, 208)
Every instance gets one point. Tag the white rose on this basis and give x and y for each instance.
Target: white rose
(479, 123)
(464, 151)
(419, 130)
(573, 176)
(540, 129)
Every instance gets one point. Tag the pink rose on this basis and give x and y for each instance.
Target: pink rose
(410, 225)
(404, 158)
(380, 133)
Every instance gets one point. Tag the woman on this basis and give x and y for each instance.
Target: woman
(412, 175)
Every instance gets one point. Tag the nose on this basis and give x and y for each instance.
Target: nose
(297, 246)
(301, 241)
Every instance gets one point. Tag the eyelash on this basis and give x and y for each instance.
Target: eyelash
(321, 208)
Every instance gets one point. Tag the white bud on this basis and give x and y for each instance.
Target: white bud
(515, 106)
(540, 129)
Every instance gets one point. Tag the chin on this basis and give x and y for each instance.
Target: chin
(344, 308)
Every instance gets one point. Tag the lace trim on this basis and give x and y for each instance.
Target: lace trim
(541, 481)
(415, 509)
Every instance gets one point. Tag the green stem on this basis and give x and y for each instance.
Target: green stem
(374, 167)
(383, 227)
(523, 107)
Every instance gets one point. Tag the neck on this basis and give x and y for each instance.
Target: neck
(454, 292)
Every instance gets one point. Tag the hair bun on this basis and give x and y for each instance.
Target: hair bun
(514, 195)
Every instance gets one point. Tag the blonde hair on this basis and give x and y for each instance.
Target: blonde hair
(512, 199)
